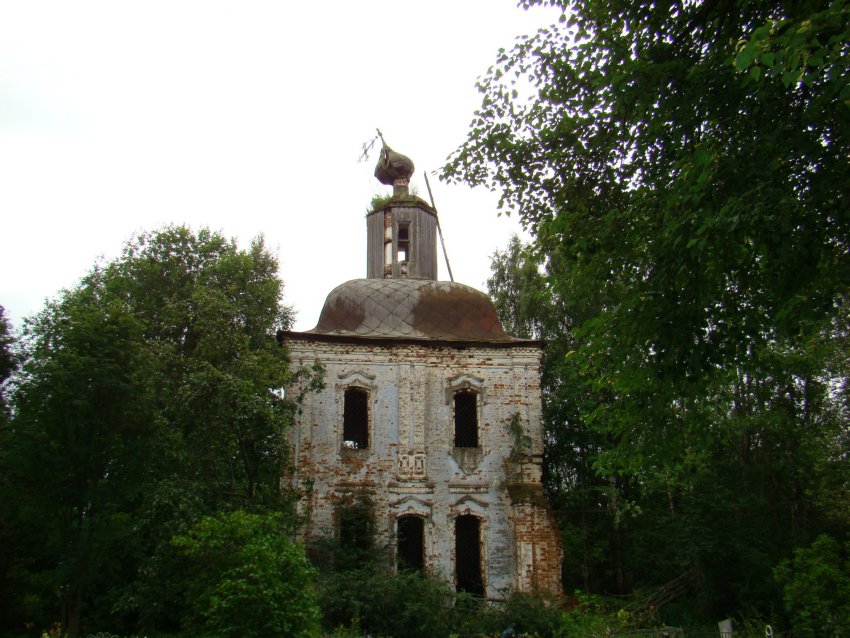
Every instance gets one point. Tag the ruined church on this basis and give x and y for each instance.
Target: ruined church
(430, 409)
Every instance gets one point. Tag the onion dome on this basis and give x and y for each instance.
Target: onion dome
(393, 166)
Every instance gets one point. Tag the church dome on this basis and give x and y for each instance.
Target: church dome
(410, 309)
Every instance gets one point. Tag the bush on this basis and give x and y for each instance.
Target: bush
(378, 603)
(816, 589)
(245, 579)
(383, 604)
(525, 614)
(531, 615)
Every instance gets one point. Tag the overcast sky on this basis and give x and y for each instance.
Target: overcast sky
(247, 117)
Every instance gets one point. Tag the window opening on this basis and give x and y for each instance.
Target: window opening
(411, 543)
(356, 528)
(466, 419)
(388, 243)
(354, 534)
(468, 555)
(355, 419)
(403, 242)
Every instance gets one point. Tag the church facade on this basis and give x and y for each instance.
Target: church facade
(431, 411)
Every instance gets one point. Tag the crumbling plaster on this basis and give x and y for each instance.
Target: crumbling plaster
(411, 466)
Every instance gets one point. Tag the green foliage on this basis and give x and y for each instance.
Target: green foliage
(689, 273)
(358, 594)
(9, 535)
(244, 577)
(527, 302)
(148, 398)
(384, 604)
(515, 283)
(687, 245)
(76, 450)
(355, 547)
(378, 603)
(381, 200)
(816, 589)
(8, 362)
(529, 616)
(809, 50)
(378, 202)
(589, 616)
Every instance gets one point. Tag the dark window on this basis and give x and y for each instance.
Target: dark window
(355, 419)
(411, 543)
(403, 242)
(466, 419)
(468, 555)
(356, 529)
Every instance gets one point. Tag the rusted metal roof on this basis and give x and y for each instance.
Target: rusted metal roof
(410, 309)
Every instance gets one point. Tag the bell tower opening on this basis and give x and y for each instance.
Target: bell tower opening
(388, 243)
(403, 242)
(403, 247)
(401, 229)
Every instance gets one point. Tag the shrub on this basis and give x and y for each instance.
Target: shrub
(244, 578)
(816, 589)
(384, 604)
(408, 604)
(530, 615)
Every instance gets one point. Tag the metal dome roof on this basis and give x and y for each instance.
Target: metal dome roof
(410, 309)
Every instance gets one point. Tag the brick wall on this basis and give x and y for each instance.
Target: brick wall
(411, 466)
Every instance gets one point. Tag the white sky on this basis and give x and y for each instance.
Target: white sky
(247, 117)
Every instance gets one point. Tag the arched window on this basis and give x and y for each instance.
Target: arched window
(466, 418)
(410, 536)
(468, 555)
(355, 419)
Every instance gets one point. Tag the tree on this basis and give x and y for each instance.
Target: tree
(8, 362)
(586, 503)
(517, 288)
(683, 170)
(210, 314)
(10, 533)
(244, 577)
(77, 446)
(147, 399)
(702, 210)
